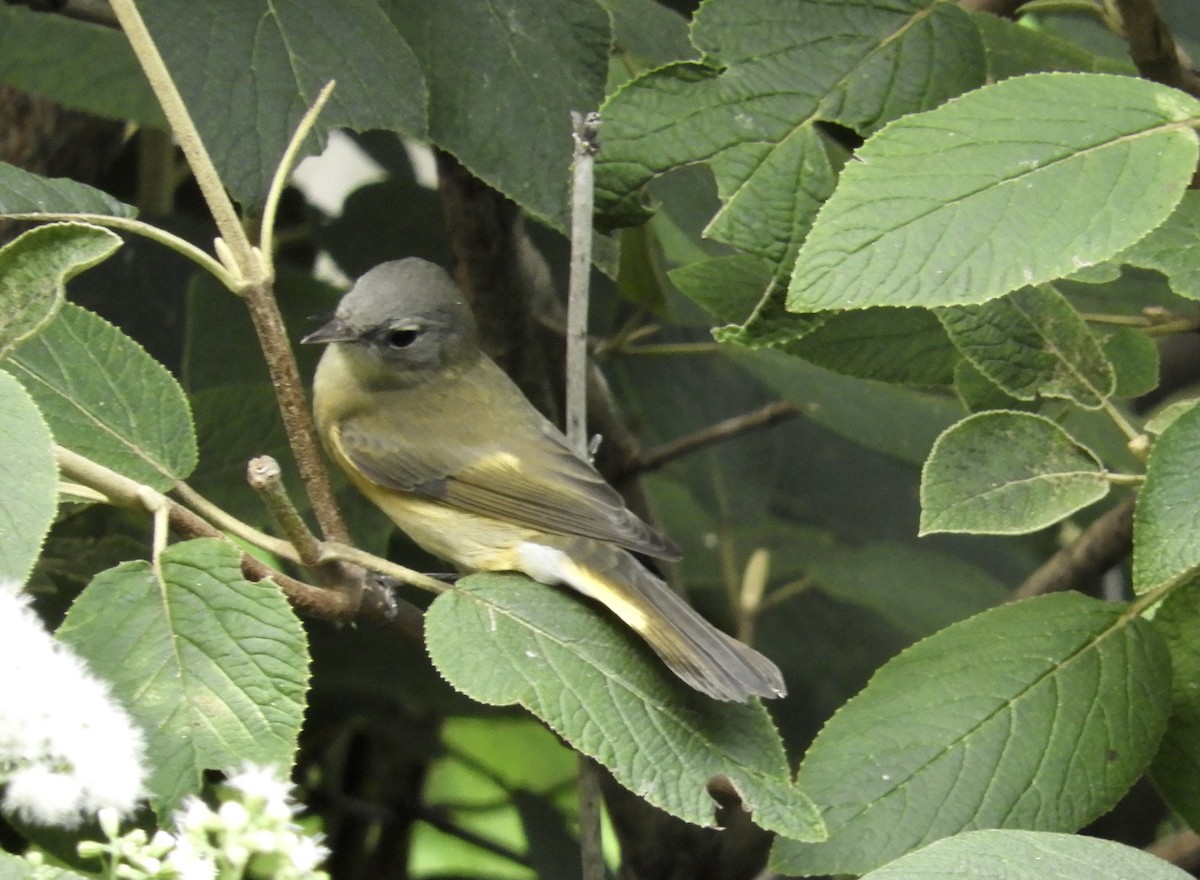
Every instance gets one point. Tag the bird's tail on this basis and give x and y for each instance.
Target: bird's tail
(706, 658)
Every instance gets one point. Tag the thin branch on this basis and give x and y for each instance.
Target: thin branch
(1181, 849)
(246, 264)
(762, 417)
(1079, 565)
(442, 823)
(375, 605)
(584, 130)
(293, 407)
(1151, 47)
(228, 523)
(265, 477)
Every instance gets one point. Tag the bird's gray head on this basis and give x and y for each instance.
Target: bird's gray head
(404, 317)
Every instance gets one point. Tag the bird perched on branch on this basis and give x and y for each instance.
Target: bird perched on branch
(442, 441)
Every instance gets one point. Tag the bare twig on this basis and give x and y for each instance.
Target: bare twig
(585, 127)
(1103, 544)
(584, 130)
(762, 417)
(265, 478)
(1181, 849)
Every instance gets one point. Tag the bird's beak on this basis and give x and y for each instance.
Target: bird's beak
(337, 330)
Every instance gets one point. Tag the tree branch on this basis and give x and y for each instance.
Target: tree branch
(1151, 47)
(1103, 544)
(375, 604)
(763, 417)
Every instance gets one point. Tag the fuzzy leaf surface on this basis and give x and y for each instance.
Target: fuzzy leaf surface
(1036, 715)
(771, 70)
(213, 668)
(1014, 184)
(106, 399)
(504, 640)
(1006, 473)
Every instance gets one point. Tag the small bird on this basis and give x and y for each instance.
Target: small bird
(438, 437)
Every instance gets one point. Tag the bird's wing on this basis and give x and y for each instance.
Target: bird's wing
(537, 482)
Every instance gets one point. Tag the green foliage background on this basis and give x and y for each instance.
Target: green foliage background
(950, 241)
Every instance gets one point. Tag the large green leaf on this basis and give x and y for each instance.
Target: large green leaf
(1006, 473)
(1176, 767)
(503, 77)
(771, 71)
(22, 192)
(29, 476)
(248, 69)
(1014, 184)
(1168, 508)
(1030, 343)
(106, 399)
(34, 269)
(851, 407)
(504, 640)
(80, 64)
(1174, 248)
(1036, 715)
(1027, 855)
(916, 589)
(213, 668)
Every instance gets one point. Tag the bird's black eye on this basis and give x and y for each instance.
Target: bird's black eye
(401, 337)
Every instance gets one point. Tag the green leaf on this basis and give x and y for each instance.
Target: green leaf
(1006, 473)
(16, 868)
(1036, 715)
(263, 64)
(221, 346)
(29, 476)
(1031, 343)
(1165, 417)
(646, 34)
(917, 590)
(81, 65)
(1013, 49)
(23, 193)
(213, 668)
(1168, 507)
(905, 346)
(1176, 767)
(979, 393)
(542, 60)
(728, 288)
(507, 640)
(1173, 248)
(963, 204)
(771, 71)
(34, 269)
(1134, 358)
(106, 399)
(851, 407)
(235, 423)
(1028, 855)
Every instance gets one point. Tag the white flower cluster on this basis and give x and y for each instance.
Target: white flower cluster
(67, 748)
(251, 835)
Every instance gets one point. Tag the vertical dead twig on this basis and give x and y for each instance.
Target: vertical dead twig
(584, 130)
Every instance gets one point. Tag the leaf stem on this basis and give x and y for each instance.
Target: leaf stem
(146, 230)
(1118, 418)
(283, 171)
